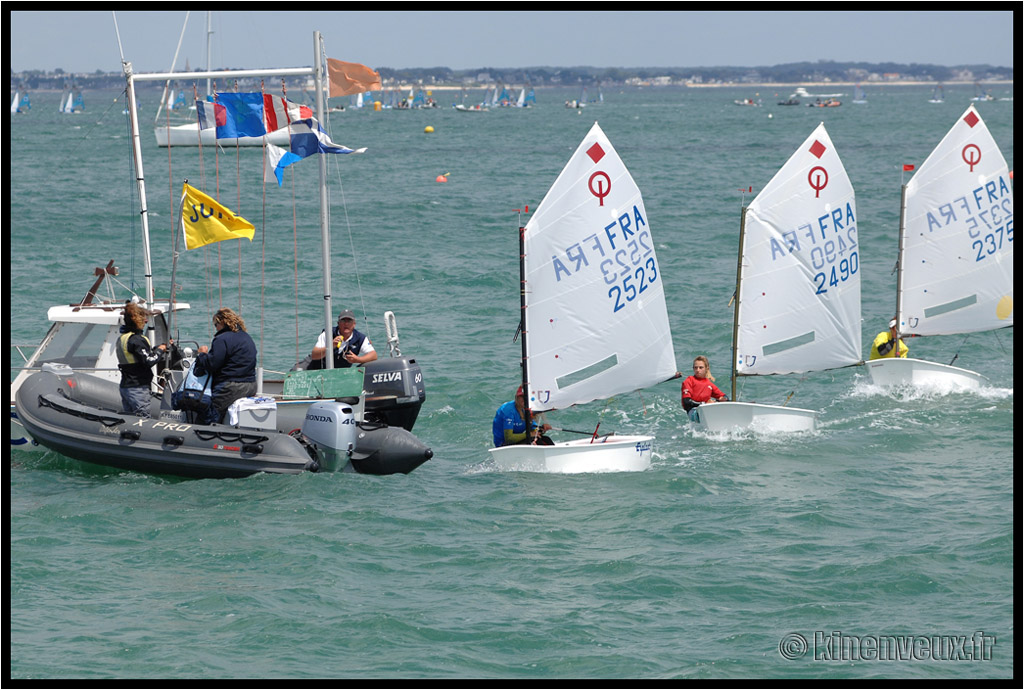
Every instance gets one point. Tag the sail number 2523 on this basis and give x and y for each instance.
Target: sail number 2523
(631, 271)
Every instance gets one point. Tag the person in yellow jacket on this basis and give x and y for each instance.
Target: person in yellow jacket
(885, 344)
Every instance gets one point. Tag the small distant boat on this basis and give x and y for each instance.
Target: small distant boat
(748, 101)
(954, 269)
(827, 103)
(796, 308)
(790, 101)
(801, 92)
(938, 95)
(858, 95)
(478, 108)
(980, 95)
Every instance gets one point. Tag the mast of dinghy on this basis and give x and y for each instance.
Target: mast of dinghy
(736, 301)
(527, 416)
(899, 267)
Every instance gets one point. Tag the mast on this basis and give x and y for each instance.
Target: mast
(736, 300)
(209, 51)
(522, 326)
(140, 178)
(899, 266)
(325, 230)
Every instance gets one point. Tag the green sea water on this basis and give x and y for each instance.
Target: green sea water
(895, 520)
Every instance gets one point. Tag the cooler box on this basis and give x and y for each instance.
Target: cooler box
(253, 413)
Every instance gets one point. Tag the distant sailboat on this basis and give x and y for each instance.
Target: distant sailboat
(955, 262)
(20, 103)
(938, 96)
(858, 95)
(980, 95)
(72, 102)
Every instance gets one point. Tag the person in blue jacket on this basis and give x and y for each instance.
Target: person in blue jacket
(231, 362)
(509, 426)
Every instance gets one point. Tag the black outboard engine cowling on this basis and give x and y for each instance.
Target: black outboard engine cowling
(394, 392)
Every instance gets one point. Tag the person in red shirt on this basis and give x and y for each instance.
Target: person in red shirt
(700, 388)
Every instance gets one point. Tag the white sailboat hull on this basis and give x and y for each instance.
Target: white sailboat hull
(919, 372)
(189, 135)
(606, 454)
(731, 415)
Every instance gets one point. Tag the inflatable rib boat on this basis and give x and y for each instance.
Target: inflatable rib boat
(75, 414)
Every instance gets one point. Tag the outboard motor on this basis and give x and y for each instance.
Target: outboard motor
(394, 391)
(330, 430)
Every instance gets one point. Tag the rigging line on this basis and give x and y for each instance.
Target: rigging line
(174, 62)
(170, 180)
(351, 238)
(238, 206)
(295, 262)
(263, 258)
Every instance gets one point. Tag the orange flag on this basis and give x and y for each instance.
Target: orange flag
(351, 77)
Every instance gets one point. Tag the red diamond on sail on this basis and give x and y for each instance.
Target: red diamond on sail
(971, 119)
(817, 149)
(595, 152)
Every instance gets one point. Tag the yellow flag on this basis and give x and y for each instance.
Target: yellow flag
(206, 221)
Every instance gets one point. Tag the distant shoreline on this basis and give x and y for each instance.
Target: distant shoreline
(778, 86)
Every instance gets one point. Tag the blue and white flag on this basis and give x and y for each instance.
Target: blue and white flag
(308, 137)
(277, 160)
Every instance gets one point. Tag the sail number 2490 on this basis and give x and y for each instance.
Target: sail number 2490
(837, 274)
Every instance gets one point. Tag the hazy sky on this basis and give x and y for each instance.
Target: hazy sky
(86, 41)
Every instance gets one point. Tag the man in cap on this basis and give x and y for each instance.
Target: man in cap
(350, 347)
(885, 344)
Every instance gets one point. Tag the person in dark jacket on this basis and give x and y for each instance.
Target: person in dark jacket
(135, 359)
(231, 362)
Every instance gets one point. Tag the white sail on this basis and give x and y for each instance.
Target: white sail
(15, 101)
(596, 322)
(957, 262)
(800, 289)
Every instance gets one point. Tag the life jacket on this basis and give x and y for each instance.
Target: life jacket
(123, 355)
(355, 344)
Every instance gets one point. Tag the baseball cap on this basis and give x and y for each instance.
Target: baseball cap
(347, 314)
(892, 324)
